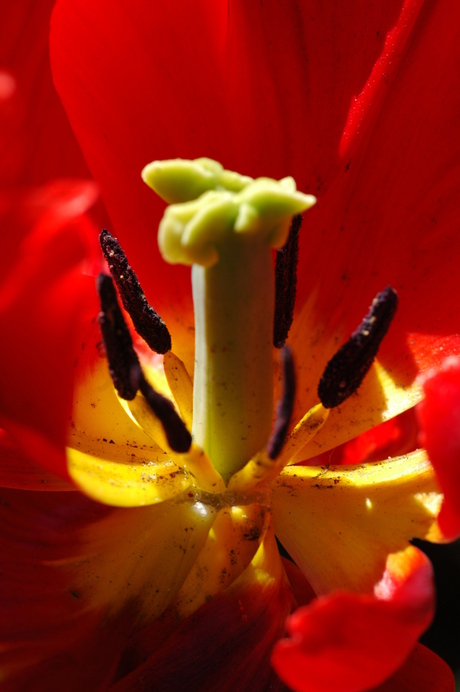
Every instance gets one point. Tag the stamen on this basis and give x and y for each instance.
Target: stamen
(347, 369)
(125, 369)
(286, 283)
(124, 364)
(285, 406)
(179, 438)
(147, 322)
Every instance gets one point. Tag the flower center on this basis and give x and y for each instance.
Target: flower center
(225, 226)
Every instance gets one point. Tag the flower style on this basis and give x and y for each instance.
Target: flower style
(144, 574)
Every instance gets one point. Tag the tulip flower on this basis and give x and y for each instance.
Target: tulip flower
(149, 558)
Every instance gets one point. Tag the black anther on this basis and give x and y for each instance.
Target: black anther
(286, 284)
(179, 438)
(124, 365)
(347, 369)
(285, 406)
(147, 322)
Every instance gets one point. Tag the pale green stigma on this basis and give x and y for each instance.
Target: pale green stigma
(179, 180)
(224, 203)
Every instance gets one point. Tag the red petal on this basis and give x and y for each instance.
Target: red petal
(439, 416)
(389, 217)
(423, 671)
(393, 438)
(353, 642)
(37, 143)
(43, 299)
(300, 586)
(126, 111)
(44, 623)
(19, 471)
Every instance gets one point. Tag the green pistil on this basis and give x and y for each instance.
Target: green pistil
(227, 233)
(233, 397)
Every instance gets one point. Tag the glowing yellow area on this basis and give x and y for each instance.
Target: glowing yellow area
(306, 429)
(266, 564)
(339, 524)
(199, 465)
(123, 485)
(139, 410)
(262, 469)
(377, 400)
(231, 545)
(266, 568)
(99, 425)
(110, 457)
(356, 514)
(142, 554)
(180, 386)
(195, 461)
(382, 395)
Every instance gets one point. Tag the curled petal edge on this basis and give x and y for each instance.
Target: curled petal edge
(354, 642)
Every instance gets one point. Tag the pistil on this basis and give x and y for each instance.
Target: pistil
(233, 387)
(227, 233)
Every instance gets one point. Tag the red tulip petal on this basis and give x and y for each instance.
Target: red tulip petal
(389, 217)
(423, 671)
(19, 471)
(41, 613)
(228, 95)
(43, 299)
(37, 143)
(300, 587)
(128, 112)
(293, 69)
(395, 437)
(353, 642)
(439, 416)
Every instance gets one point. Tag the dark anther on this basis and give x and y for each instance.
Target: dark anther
(124, 365)
(147, 322)
(125, 369)
(286, 284)
(285, 406)
(179, 438)
(347, 369)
